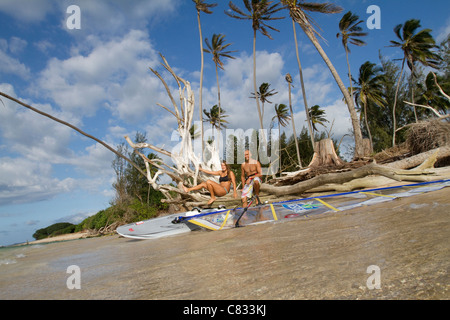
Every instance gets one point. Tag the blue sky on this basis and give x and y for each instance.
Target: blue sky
(97, 78)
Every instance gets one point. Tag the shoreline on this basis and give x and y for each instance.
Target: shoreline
(63, 237)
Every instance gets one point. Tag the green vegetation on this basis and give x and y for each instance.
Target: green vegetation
(135, 199)
(54, 230)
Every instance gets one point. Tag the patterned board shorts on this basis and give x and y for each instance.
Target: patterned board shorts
(247, 190)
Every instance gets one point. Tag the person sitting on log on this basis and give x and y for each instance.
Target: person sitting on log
(251, 174)
(226, 178)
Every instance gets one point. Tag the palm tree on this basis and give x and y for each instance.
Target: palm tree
(217, 49)
(289, 81)
(415, 47)
(369, 91)
(200, 5)
(317, 116)
(302, 83)
(350, 31)
(297, 11)
(212, 116)
(430, 94)
(263, 94)
(282, 116)
(259, 12)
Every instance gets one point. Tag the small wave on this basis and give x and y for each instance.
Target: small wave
(7, 261)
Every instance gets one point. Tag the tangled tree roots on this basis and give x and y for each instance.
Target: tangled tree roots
(425, 136)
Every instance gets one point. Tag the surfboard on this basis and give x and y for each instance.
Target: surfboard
(160, 227)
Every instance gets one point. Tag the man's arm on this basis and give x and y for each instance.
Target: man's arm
(258, 170)
(242, 175)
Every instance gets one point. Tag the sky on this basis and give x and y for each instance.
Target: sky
(94, 72)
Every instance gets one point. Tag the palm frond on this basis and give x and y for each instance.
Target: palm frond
(200, 5)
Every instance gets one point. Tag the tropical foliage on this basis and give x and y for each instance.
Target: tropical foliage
(416, 46)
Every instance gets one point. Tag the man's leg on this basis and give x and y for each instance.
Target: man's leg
(256, 187)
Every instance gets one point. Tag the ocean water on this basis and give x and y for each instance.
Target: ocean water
(13, 255)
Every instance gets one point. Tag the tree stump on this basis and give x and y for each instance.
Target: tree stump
(325, 154)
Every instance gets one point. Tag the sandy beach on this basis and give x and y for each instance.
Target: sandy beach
(325, 257)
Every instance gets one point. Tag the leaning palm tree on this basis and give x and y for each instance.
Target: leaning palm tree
(416, 47)
(263, 94)
(201, 6)
(297, 11)
(289, 81)
(259, 13)
(217, 48)
(350, 31)
(283, 117)
(317, 116)
(369, 90)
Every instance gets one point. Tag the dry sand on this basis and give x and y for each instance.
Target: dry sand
(325, 257)
(63, 237)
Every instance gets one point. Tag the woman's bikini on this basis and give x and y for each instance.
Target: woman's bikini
(225, 179)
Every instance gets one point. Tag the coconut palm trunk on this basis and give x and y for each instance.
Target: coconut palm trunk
(200, 5)
(300, 70)
(394, 118)
(218, 90)
(366, 121)
(359, 147)
(258, 107)
(289, 80)
(200, 108)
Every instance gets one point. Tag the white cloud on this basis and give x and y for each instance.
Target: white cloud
(8, 63)
(31, 135)
(108, 17)
(111, 74)
(25, 180)
(30, 11)
(35, 144)
(443, 32)
(236, 86)
(338, 112)
(17, 45)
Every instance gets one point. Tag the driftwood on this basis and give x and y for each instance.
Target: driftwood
(340, 178)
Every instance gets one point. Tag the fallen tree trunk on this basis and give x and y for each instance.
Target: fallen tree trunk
(414, 161)
(343, 177)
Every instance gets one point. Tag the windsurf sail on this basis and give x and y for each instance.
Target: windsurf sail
(307, 207)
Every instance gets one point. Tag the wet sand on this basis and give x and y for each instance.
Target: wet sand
(325, 257)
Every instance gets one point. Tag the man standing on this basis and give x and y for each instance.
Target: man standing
(251, 175)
